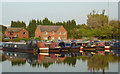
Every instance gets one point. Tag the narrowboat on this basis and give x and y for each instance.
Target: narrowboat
(91, 45)
(42, 47)
(115, 48)
(65, 47)
(100, 44)
(87, 44)
(30, 46)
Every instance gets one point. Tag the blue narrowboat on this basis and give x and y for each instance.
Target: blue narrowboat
(30, 46)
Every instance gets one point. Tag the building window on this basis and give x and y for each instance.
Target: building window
(59, 33)
(45, 38)
(52, 38)
(64, 33)
(64, 38)
(52, 33)
(59, 38)
(11, 33)
(45, 33)
(24, 32)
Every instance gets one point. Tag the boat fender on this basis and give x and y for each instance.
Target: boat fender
(107, 48)
(81, 49)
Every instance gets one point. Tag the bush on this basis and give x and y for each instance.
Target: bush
(26, 39)
(6, 40)
(38, 39)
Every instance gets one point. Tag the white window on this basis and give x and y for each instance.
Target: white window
(45, 38)
(59, 33)
(52, 38)
(64, 38)
(59, 38)
(45, 33)
(64, 33)
(52, 33)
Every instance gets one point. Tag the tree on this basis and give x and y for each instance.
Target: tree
(18, 24)
(46, 21)
(116, 28)
(107, 31)
(96, 20)
(32, 27)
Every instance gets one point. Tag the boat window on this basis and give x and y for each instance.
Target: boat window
(46, 45)
(10, 45)
(15, 46)
(73, 44)
(6, 45)
(79, 44)
(62, 44)
(67, 44)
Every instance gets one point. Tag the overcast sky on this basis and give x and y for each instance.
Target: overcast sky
(55, 11)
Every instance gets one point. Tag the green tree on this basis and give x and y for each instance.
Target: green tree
(116, 28)
(46, 21)
(96, 20)
(18, 24)
(32, 27)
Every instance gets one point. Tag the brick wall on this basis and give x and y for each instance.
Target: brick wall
(38, 33)
(19, 34)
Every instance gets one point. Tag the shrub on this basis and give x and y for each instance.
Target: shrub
(6, 40)
(26, 39)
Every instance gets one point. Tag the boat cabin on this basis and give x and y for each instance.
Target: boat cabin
(64, 45)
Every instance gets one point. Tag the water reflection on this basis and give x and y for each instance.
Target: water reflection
(94, 63)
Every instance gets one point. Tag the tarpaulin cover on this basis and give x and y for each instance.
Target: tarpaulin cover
(53, 45)
(41, 44)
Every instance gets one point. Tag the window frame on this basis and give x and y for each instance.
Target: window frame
(59, 33)
(11, 33)
(52, 33)
(64, 33)
(45, 33)
(24, 33)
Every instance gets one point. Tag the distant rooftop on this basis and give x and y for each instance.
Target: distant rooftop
(14, 29)
(49, 28)
(7, 26)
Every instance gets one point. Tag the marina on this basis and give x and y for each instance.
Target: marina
(33, 46)
(63, 36)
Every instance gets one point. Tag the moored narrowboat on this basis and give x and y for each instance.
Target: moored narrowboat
(29, 47)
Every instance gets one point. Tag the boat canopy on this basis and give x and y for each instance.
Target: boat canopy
(53, 45)
(41, 44)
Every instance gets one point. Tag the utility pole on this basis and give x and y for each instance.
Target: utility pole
(108, 11)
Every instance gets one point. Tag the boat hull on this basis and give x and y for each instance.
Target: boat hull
(19, 48)
(68, 49)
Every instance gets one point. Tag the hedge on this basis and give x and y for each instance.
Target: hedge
(19, 39)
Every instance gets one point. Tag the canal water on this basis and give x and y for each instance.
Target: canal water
(57, 62)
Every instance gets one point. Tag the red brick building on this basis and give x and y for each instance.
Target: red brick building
(46, 32)
(16, 33)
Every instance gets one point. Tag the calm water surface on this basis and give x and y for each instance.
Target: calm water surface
(57, 62)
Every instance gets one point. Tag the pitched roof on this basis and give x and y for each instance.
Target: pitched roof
(14, 29)
(49, 28)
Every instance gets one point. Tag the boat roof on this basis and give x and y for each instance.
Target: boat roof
(15, 43)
